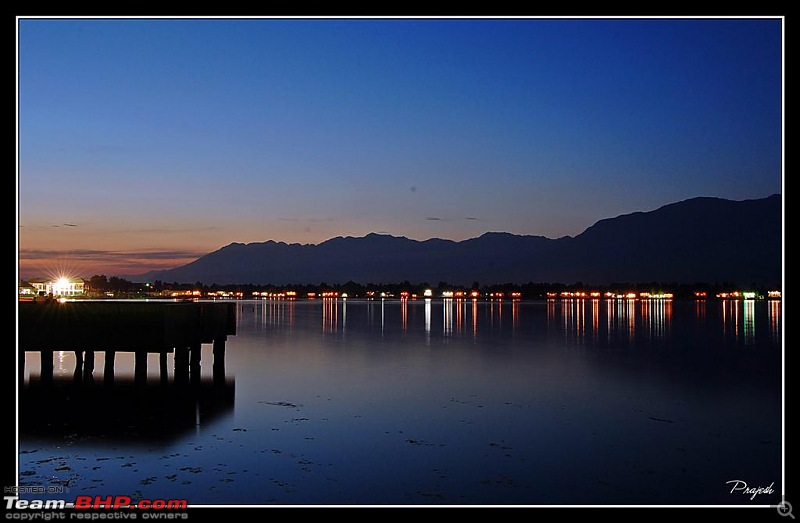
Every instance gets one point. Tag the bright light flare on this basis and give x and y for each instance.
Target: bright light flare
(61, 286)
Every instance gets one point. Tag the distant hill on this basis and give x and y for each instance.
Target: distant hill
(696, 240)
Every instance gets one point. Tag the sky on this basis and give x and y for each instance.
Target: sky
(145, 143)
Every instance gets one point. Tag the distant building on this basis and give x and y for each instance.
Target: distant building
(56, 287)
(26, 289)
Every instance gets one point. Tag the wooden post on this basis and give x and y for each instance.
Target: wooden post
(77, 374)
(219, 361)
(140, 367)
(181, 365)
(194, 363)
(108, 367)
(88, 364)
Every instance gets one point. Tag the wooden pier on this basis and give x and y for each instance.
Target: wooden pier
(141, 327)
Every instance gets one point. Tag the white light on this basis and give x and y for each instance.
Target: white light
(62, 284)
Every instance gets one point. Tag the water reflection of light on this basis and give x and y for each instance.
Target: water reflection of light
(276, 313)
(738, 319)
(460, 310)
(448, 316)
(514, 314)
(659, 317)
(404, 313)
(551, 310)
(495, 309)
(595, 319)
(700, 309)
(574, 318)
(474, 317)
(631, 314)
(748, 321)
(621, 317)
(263, 312)
(428, 317)
(774, 313)
(330, 315)
(646, 320)
(724, 316)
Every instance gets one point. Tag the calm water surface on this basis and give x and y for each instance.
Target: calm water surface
(443, 402)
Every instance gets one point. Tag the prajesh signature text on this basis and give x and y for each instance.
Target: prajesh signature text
(741, 487)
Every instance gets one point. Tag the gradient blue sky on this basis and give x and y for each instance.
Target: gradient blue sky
(145, 143)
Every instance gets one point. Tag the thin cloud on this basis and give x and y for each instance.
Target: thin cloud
(170, 230)
(89, 254)
(440, 219)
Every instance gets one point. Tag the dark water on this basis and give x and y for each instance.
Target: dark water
(443, 402)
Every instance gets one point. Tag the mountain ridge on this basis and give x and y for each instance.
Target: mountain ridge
(698, 239)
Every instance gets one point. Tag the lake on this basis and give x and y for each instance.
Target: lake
(434, 402)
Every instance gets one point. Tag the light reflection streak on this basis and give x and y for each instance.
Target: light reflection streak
(738, 319)
(460, 310)
(580, 318)
(495, 312)
(574, 316)
(645, 315)
(577, 320)
(700, 309)
(428, 318)
(552, 306)
(474, 318)
(748, 321)
(661, 318)
(330, 315)
(774, 314)
(447, 317)
(624, 318)
(404, 314)
(631, 314)
(724, 315)
(276, 313)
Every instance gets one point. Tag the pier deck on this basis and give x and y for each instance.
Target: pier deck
(141, 327)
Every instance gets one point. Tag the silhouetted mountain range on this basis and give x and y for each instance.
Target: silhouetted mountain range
(697, 240)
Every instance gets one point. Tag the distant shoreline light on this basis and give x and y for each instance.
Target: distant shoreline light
(79, 288)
